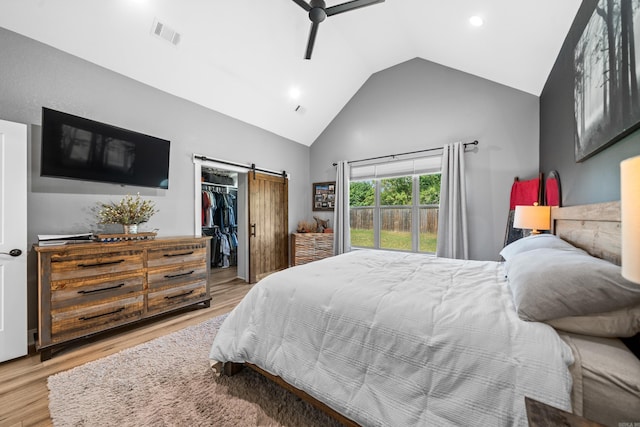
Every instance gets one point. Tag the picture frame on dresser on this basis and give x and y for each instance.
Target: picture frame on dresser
(324, 196)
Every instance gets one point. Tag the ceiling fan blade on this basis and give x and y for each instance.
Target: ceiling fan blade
(303, 4)
(350, 5)
(312, 39)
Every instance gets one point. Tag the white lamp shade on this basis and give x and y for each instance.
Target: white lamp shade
(630, 206)
(532, 217)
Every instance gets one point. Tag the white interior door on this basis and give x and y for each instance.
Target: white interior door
(13, 240)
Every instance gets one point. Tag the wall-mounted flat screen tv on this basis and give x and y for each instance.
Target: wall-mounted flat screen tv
(78, 148)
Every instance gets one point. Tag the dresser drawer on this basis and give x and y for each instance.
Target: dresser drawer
(176, 275)
(79, 321)
(182, 254)
(166, 299)
(74, 266)
(65, 293)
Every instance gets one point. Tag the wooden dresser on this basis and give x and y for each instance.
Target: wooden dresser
(86, 288)
(307, 247)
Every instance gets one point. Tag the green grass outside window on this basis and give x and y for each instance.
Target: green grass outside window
(400, 240)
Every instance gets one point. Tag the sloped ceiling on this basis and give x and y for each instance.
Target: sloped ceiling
(243, 57)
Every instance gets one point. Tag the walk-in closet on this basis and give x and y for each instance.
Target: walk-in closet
(219, 214)
(245, 210)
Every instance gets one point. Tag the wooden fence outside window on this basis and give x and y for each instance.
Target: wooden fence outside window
(395, 218)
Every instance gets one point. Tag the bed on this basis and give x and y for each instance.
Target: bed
(388, 338)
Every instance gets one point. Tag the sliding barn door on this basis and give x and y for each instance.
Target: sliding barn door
(268, 225)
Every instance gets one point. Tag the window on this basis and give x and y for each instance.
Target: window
(398, 213)
(428, 208)
(362, 202)
(396, 205)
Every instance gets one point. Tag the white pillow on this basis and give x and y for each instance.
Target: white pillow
(535, 241)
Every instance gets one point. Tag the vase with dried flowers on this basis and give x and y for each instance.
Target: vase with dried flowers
(129, 212)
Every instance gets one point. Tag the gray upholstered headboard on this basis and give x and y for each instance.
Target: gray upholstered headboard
(594, 228)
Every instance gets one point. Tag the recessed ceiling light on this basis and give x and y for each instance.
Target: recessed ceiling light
(476, 21)
(294, 93)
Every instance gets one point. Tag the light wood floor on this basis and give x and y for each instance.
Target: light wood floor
(23, 382)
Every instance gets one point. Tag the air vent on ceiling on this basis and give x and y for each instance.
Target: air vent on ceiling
(165, 32)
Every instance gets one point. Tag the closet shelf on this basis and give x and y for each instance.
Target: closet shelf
(213, 184)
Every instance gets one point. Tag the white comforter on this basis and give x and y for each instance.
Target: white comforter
(399, 339)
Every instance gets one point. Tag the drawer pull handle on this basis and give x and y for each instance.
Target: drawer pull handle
(101, 315)
(179, 254)
(180, 295)
(173, 276)
(101, 289)
(98, 264)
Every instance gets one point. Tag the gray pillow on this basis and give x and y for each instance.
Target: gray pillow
(536, 241)
(553, 283)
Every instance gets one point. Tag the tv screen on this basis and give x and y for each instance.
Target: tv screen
(79, 148)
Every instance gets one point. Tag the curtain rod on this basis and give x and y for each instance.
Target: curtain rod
(249, 168)
(404, 154)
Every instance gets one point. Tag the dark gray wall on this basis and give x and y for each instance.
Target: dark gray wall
(596, 179)
(33, 75)
(419, 104)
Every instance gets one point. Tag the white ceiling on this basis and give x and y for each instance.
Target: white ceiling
(242, 57)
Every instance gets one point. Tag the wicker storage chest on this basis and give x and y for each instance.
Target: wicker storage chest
(307, 247)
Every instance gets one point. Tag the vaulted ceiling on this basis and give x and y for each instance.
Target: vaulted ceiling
(244, 58)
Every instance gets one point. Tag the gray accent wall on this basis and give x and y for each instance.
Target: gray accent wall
(33, 75)
(420, 104)
(596, 179)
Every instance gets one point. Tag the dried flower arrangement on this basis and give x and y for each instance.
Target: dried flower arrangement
(128, 211)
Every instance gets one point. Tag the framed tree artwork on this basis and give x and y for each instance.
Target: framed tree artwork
(324, 196)
(606, 100)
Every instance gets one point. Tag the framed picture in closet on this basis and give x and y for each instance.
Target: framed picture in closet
(324, 196)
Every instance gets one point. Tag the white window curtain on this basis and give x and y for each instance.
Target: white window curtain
(341, 234)
(453, 239)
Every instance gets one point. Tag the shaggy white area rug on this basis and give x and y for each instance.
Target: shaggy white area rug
(168, 382)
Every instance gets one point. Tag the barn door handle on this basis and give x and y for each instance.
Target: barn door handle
(253, 230)
(12, 252)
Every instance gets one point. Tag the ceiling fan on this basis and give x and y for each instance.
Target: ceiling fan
(318, 11)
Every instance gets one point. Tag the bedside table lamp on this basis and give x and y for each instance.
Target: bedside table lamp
(534, 218)
(630, 213)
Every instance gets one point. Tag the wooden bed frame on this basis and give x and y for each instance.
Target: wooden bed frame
(594, 228)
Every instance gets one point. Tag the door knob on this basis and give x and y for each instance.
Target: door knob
(12, 252)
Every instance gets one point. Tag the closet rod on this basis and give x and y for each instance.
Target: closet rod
(404, 154)
(249, 168)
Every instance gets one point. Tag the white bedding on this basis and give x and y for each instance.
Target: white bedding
(397, 339)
